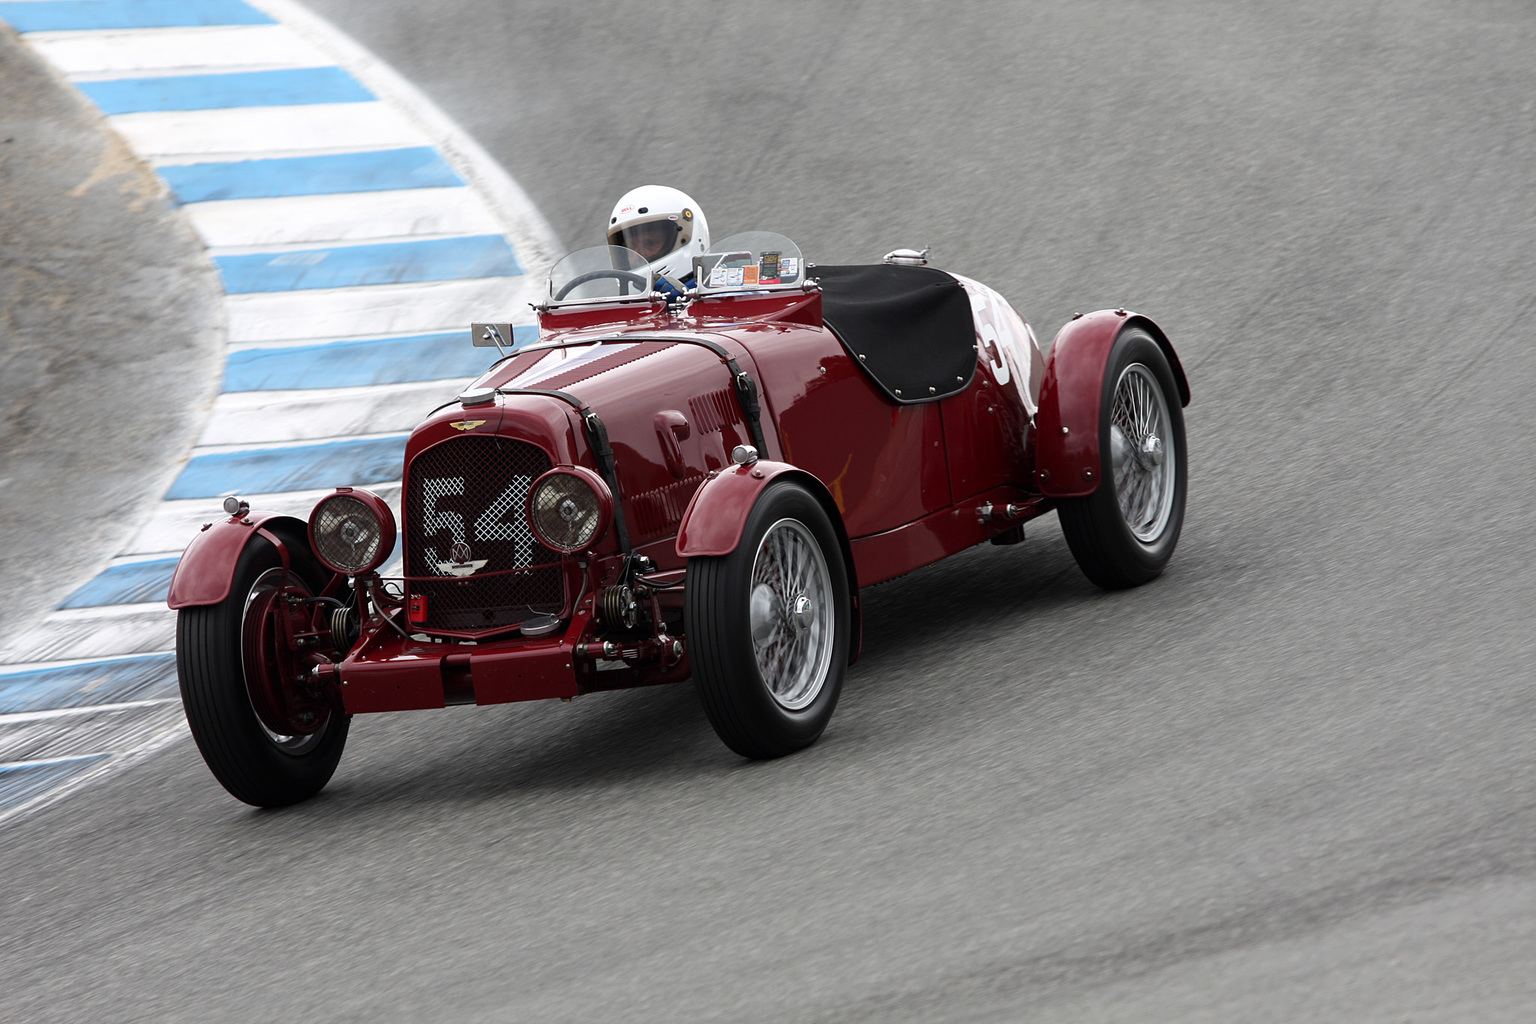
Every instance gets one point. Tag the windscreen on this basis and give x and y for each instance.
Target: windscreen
(751, 261)
(601, 272)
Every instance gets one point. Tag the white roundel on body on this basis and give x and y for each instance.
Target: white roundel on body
(1006, 342)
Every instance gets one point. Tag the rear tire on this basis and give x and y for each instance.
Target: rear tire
(1124, 533)
(257, 764)
(768, 627)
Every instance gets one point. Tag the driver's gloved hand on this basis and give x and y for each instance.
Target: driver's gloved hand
(671, 287)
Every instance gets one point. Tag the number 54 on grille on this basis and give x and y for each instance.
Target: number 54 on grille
(670, 486)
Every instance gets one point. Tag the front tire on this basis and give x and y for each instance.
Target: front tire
(768, 627)
(269, 764)
(1124, 533)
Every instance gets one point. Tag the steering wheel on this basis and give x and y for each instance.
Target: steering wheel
(624, 276)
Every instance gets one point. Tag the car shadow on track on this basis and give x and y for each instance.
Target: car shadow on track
(971, 592)
(658, 736)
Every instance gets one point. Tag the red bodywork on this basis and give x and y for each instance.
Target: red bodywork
(207, 566)
(905, 484)
(1067, 454)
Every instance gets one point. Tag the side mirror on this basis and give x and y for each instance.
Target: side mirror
(497, 336)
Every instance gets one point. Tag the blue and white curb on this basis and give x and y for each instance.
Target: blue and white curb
(357, 232)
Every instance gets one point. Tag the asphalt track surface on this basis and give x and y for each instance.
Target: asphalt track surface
(1292, 779)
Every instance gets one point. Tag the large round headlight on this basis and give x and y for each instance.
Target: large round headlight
(569, 508)
(352, 531)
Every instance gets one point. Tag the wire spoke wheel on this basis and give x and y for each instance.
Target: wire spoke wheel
(1123, 533)
(768, 625)
(293, 724)
(1141, 453)
(270, 739)
(791, 612)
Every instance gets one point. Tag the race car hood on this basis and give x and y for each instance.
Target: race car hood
(668, 406)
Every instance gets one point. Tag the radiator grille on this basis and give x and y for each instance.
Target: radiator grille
(464, 505)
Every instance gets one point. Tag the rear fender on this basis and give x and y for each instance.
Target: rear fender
(717, 515)
(1067, 424)
(207, 566)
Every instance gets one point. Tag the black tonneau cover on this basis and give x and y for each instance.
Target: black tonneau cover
(910, 328)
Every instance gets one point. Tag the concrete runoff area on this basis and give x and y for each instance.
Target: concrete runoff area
(270, 130)
(111, 336)
(1290, 780)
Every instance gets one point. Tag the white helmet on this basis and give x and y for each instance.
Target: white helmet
(663, 225)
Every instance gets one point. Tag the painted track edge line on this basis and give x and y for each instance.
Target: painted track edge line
(155, 742)
(509, 206)
(22, 717)
(523, 222)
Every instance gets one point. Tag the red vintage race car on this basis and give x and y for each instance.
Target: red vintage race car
(665, 487)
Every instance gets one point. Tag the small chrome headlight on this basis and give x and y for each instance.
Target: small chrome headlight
(569, 508)
(352, 531)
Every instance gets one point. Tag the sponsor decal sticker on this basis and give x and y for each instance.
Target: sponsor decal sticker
(768, 268)
(728, 277)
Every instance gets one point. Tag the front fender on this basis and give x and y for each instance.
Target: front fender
(717, 514)
(207, 566)
(1067, 423)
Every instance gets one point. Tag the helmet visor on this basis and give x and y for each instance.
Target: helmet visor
(651, 239)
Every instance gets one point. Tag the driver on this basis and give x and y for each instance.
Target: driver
(666, 227)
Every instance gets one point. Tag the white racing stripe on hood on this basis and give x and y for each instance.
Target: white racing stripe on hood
(558, 360)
